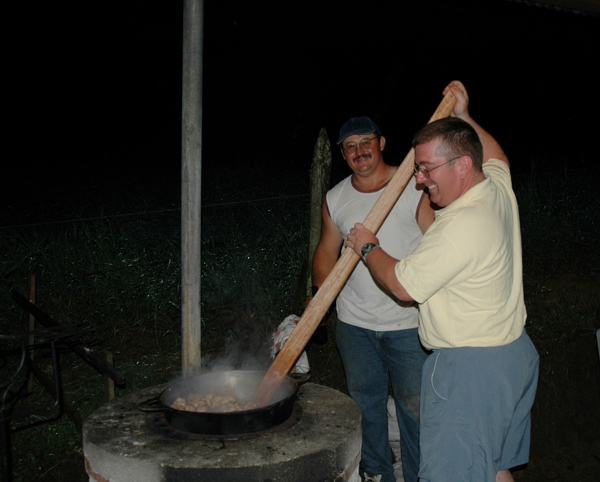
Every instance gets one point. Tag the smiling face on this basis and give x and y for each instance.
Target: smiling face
(446, 183)
(361, 160)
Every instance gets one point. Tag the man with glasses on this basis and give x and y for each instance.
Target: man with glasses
(375, 333)
(466, 274)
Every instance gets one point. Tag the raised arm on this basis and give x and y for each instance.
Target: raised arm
(491, 148)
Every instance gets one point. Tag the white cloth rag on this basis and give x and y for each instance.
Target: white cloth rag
(284, 330)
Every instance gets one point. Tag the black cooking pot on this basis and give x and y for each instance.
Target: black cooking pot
(240, 384)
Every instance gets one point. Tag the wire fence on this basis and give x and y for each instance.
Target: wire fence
(519, 178)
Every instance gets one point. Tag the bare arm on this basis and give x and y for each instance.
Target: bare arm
(491, 148)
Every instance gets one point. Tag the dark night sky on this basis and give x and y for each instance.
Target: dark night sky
(95, 87)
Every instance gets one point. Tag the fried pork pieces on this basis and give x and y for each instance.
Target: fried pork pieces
(209, 403)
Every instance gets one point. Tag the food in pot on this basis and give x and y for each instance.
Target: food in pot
(209, 403)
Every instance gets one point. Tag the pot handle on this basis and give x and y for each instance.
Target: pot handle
(151, 406)
(300, 378)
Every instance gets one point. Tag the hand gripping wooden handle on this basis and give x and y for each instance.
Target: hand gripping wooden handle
(341, 271)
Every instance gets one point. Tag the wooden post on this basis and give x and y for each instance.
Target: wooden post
(320, 175)
(31, 339)
(191, 148)
(109, 385)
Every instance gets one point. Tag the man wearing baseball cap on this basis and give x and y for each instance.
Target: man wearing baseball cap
(376, 335)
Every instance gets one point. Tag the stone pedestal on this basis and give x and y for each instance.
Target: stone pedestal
(123, 444)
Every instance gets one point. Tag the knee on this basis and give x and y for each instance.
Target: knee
(504, 476)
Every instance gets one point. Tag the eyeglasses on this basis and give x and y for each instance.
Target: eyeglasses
(363, 144)
(426, 172)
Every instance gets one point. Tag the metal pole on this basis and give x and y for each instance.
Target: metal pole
(191, 162)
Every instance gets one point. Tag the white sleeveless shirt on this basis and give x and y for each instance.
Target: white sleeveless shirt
(361, 302)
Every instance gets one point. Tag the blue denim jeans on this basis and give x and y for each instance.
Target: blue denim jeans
(371, 360)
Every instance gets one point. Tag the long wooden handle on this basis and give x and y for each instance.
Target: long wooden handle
(338, 276)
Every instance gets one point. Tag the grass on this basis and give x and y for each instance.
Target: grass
(119, 274)
(560, 232)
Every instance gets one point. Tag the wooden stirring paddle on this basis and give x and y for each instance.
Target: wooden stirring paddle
(341, 271)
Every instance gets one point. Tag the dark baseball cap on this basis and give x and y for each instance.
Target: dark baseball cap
(358, 125)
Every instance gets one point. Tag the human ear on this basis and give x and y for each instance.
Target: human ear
(465, 164)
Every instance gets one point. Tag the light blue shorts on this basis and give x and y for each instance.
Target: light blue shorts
(476, 411)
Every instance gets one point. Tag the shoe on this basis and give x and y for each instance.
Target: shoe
(372, 478)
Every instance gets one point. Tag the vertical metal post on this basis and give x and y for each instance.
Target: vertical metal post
(191, 143)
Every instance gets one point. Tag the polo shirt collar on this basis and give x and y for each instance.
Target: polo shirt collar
(475, 192)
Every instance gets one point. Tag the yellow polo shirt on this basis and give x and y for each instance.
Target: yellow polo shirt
(466, 272)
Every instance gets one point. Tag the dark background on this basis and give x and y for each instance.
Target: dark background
(92, 124)
(94, 88)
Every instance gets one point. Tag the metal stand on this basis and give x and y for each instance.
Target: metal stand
(13, 384)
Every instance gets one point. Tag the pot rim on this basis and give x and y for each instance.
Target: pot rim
(290, 386)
